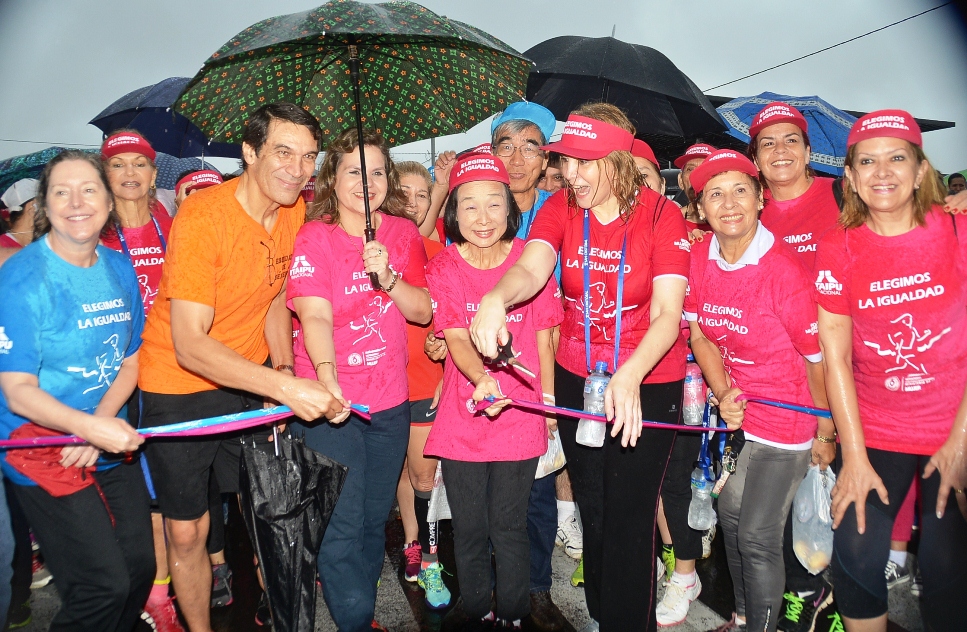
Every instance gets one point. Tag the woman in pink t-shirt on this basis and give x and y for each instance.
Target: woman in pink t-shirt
(624, 235)
(353, 340)
(752, 315)
(892, 291)
(489, 461)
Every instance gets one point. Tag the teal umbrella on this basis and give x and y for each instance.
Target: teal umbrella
(27, 166)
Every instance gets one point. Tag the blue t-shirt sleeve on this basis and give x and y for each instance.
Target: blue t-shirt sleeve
(20, 317)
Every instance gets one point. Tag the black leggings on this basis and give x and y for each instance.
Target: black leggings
(858, 560)
(617, 492)
(676, 492)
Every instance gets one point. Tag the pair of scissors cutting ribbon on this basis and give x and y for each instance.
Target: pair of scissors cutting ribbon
(507, 357)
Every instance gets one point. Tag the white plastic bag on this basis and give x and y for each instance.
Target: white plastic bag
(439, 506)
(812, 521)
(553, 459)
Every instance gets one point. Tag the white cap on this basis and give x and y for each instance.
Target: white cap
(19, 194)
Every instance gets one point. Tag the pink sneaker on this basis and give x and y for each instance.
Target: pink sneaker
(162, 617)
(413, 555)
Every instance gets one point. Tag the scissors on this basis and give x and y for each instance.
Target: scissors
(507, 357)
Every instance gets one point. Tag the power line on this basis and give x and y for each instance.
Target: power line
(822, 50)
(41, 142)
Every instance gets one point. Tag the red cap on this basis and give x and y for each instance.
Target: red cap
(699, 150)
(125, 143)
(475, 167)
(641, 149)
(309, 190)
(720, 161)
(589, 139)
(892, 123)
(199, 180)
(482, 148)
(777, 112)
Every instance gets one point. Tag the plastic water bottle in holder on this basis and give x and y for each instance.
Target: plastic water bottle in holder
(694, 404)
(700, 512)
(591, 432)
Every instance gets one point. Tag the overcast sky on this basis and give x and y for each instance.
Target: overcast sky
(63, 61)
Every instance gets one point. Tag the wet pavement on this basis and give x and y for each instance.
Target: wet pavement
(400, 605)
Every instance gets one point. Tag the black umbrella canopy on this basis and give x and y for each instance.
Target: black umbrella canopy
(666, 107)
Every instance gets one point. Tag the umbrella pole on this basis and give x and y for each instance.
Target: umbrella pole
(369, 234)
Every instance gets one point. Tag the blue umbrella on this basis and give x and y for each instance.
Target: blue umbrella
(828, 125)
(148, 110)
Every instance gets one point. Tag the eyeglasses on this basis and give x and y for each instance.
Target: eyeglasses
(270, 274)
(527, 150)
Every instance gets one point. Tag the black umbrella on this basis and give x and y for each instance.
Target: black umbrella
(287, 500)
(149, 111)
(665, 106)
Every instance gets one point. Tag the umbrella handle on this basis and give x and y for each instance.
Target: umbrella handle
(370, 234)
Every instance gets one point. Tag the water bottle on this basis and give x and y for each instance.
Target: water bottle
(700, 512)
(591, 432)
(694, 404)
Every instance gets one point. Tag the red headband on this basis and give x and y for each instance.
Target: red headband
(475, 167)
(589, 139)
(892, 123)
(126, 143)
(200, 180)
(641, 149)
(700, 150)
(718, 162)
(774, 113)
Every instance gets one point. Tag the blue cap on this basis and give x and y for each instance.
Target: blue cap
(527, 111)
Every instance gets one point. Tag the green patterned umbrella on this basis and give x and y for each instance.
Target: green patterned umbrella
(422, 75)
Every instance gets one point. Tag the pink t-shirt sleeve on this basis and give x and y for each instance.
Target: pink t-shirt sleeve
(795, 304)
(313, 244)
(450, 310)
(548, 226)
(690, 307)
(415, 272)
(548, 311)
(832, 293)
(670, 253)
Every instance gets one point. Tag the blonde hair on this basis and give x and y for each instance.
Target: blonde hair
(626, 181)
(413, 168)
(931, 192)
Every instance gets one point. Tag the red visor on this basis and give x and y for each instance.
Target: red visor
(701, 151)
(126, 143)
(590, 139)
(641, 149)
(475, 167)
(199, 180)
(718, 162)
(892, 123)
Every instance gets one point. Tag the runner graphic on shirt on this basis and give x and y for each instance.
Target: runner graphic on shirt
(147, 294)
(728, 355)
(599, 305)
(107, 365)
(905, 343)
(369, 324)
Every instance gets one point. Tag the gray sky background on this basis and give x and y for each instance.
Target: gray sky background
(63, 61)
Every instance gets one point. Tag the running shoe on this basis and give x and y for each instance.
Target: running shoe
(413, 556)
(577, 577)
(570, 538)
(545, 615)
(896, 574)
(730, 626)
(41, 576)
(162, 617)
(707, 538)
(668, 559)
(673, 607)
(19, 616)
(916, 582)
(835, 623)
(592, 626)
(430, 580)
(263, 615)
(799, 613)
(376, 626)
(504, 624)
(221, 586)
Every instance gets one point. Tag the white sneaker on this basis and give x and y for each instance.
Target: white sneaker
(673, 608)
(660, 570)
(591, 627)
(570, 538)
(707, 538)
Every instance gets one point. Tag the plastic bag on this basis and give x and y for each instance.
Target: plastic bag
(439, 505)
(553, 459)
(812, 522)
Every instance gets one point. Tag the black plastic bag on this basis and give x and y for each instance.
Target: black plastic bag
(288, 494)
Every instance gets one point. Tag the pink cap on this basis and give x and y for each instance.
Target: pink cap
(777, 112)
(475, 167)
(125, 143)
(892, 123)
(199, 180)
(641, 149)
(720, 161)
(589, 139)
(699, 150)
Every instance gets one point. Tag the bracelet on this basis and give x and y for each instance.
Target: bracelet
(549, 399)
(324, 362)
(396, 278)
(285, 367)
(823, 439)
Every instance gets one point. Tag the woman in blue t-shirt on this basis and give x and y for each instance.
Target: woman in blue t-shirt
(70, 329)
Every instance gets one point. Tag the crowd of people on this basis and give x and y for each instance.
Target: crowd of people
(513, 273)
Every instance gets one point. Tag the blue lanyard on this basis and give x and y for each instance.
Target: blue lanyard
(124, 242)
(704, 457)
(587, 294)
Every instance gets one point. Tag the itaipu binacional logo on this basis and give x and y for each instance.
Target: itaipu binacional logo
(6, 344)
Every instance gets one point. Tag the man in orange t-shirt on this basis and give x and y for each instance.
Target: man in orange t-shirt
(218, 317)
